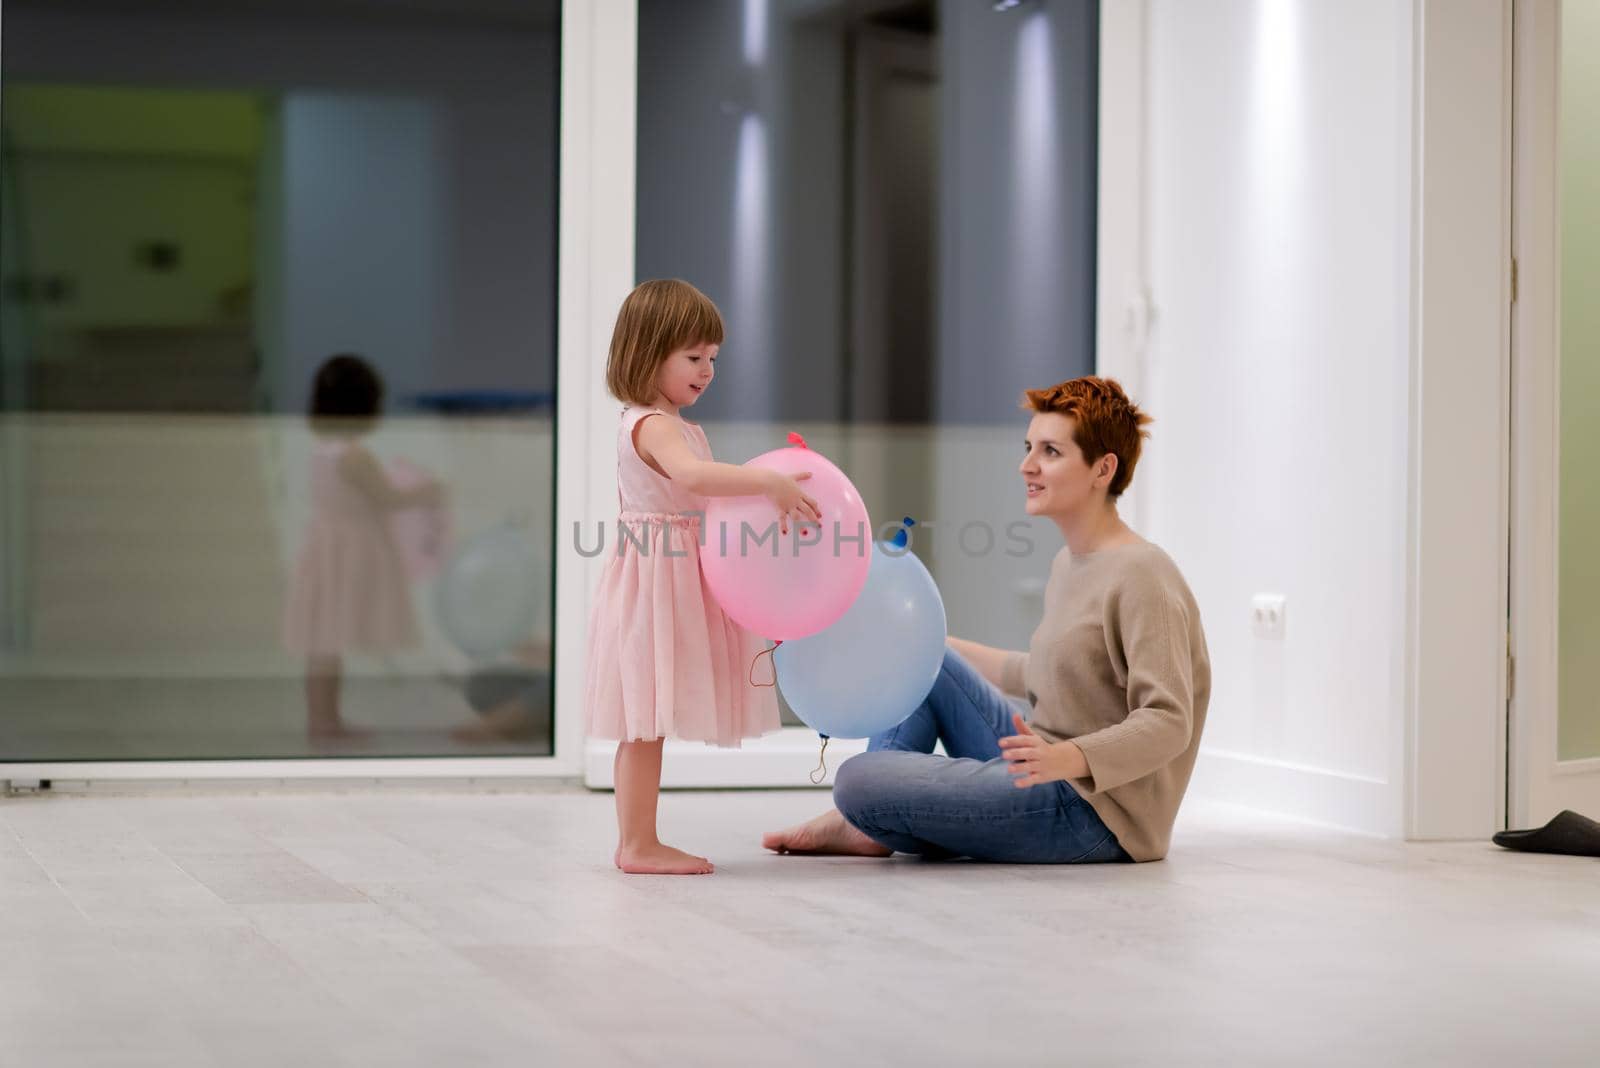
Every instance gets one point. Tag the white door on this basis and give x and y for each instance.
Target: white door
(1554, 638)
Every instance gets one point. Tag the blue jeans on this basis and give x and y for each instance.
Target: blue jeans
(965, 804)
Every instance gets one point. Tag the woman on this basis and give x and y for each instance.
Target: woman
(1115, 681)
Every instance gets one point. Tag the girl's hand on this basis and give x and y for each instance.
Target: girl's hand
(432, 495)
(792, 501)
(1034, 761)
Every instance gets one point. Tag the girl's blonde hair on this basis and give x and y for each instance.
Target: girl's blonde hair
(657, 319)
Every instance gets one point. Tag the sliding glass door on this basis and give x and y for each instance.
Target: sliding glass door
(893, 204)
(277, 380)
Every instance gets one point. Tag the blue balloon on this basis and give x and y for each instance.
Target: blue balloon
(872, 668)
(489, 596)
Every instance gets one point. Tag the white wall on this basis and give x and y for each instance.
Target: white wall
(1279, 154)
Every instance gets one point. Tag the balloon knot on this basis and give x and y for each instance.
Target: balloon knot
(797, 441)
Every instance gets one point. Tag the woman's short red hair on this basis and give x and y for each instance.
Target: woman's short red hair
(1104, 421)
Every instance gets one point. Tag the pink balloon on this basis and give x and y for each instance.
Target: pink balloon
(423, 534)
(785, 586)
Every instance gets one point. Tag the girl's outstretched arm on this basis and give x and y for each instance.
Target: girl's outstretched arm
(660, 445)
(361, 468)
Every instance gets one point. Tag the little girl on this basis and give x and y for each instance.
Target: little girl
(663, 658)
(350, 591)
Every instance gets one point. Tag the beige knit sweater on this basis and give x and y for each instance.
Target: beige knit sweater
(1119, 665)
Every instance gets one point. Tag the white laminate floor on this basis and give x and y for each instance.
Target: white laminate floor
(452, 928)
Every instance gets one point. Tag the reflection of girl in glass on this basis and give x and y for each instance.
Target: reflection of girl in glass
(350, 591)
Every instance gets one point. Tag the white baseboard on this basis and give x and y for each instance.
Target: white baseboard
(1316, 795)
(785, 758)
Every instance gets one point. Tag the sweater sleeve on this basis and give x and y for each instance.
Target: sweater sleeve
(1151, 625)
(1012, 673)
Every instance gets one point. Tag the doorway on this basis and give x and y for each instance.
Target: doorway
(1553, 689)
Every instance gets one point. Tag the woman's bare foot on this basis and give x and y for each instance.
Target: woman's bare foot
(658, 859)
(828, 833)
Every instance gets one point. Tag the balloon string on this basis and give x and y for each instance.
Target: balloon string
(820, 772)
(773, 652)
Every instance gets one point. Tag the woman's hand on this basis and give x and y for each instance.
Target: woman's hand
(792, 501)
(1034, 761)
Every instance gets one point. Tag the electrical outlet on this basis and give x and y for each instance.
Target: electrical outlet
(1267, 616)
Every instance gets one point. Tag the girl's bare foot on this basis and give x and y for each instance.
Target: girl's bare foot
(502, 724)
(657, 859)
(828, 833)
(335, 731)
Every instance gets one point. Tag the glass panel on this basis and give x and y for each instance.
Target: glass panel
(213, 542)
(1579, 585)
(894, 206)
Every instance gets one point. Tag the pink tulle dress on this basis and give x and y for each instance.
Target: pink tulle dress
(350, 592)
(664, 660)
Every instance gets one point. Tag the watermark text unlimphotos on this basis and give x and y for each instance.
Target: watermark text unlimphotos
(974, 537)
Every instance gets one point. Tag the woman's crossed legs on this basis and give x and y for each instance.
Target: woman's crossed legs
(899, 797)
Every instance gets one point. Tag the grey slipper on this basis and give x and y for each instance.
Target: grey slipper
(1568, 833)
